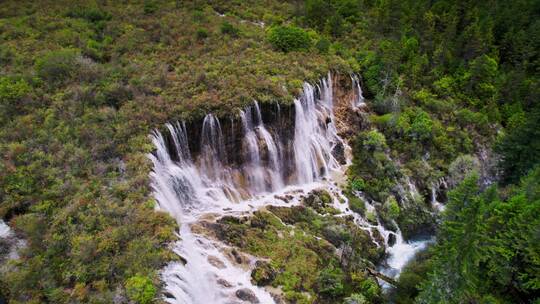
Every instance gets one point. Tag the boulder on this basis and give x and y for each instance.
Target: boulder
(247, 295)
(391, 240)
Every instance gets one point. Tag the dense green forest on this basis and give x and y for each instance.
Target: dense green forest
(452, 89)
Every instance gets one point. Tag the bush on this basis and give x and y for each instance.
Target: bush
(323, 45)
(140, 289)
(370, 289)
(150, 7)
(330, 282)
(12, 90)
(356, 204)
(415, 123)
(375, 141)
(355, 298)
(357, 184)
(289, 38)
(461, 167)
(57, 66)
(229, 29)
(91, 14)
(115, 94)
(391, 207)
(201, 34)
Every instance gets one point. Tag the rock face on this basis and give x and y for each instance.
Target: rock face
(278, 119)
(339, 153)
(247, 295)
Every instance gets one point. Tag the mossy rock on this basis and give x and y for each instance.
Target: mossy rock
(320, 201)
(263, 274)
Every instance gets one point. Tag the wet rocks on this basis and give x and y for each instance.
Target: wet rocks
(224, 283)
(214, 261)
(285, 198)
(391, 240)
(247, 295)
(339, 153)
(237, 257)
(168, 295)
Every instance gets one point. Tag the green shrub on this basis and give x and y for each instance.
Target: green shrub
(57, 66)
(229, 29)
(356, 204)
(140, 289)
(357, 184)
(323, 45)
(150, 7)
(416, 123)
(335, 26)
(374, 140)
(355, 298)
(391, 207)
(201, 34)
(91, 14)
(115, 94)
(198, 16)
(12, 90)
(370, 289)
(289, 38)
(330, 282)
(461, 167)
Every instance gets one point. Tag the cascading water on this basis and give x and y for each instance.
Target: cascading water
(190, 188)
(359, 101)
(256, 137)
(195, 187)
(315, 134)
(5, 231)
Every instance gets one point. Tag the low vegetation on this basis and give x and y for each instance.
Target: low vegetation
(300, 245)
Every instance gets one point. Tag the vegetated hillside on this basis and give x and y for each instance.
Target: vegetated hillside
(83, 83)
(81, 86)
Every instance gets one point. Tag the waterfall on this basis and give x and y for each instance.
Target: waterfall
(214, 182)
(315, 134)
(359, 101)
(212, 147)
(257, 139)
(5, 231)
(190, 187)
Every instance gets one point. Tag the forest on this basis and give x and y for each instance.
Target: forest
(451, 94)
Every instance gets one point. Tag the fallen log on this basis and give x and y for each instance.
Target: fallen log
(383, 277)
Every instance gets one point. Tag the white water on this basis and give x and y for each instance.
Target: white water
(14, 244)
(401, 251)
(195, 188)
(439, 207)
(5, 231)
(359, 101)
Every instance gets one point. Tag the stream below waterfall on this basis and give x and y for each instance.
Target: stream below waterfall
(210, 186)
